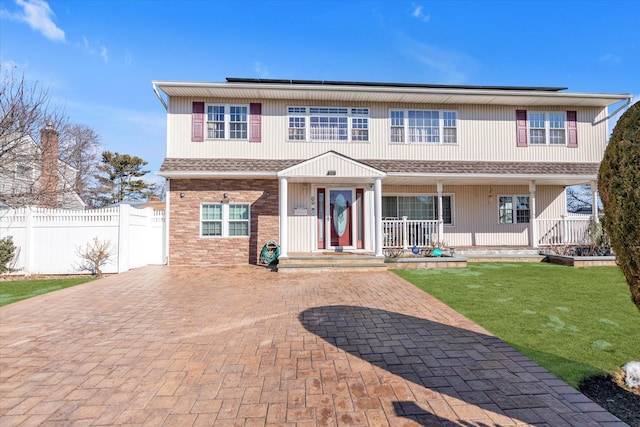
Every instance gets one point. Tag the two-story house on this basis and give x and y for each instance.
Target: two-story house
(323, 166)
(31, 174)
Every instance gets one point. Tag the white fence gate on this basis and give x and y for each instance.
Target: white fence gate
(48, 240)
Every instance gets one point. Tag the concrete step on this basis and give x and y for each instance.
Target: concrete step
(320, 262)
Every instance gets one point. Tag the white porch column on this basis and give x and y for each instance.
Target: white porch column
(594, 201)
(377, 202)
(440, 216)
(532, 211)
(282, 213)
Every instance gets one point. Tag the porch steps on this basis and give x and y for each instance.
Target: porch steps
(507, 254)
(328, 262)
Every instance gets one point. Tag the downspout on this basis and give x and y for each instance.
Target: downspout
(164, 104)
(623, 106)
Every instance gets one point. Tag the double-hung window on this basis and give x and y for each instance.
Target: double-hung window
(424, 126)
(514, 209)
(423, 207)
(225, 121)
(24, 172)
(224, 220)
(547, 128)
(330, 124)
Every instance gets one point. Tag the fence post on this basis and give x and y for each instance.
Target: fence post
(123, 237)
(405, 233)
(28, 240)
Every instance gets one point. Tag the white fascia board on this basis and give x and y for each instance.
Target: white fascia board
(260, 90)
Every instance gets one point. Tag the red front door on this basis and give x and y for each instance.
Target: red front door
(340, 206)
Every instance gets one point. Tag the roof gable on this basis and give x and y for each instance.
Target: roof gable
(331, 164)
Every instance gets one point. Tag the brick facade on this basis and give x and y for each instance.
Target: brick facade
(186, 245)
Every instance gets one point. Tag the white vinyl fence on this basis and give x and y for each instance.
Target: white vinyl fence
(48, 240)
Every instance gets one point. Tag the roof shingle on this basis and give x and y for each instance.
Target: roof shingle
(206, 165)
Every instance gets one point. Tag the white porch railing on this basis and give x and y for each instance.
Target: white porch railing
(404, 233)
(568, 230)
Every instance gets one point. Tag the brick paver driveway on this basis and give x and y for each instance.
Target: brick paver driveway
(248, 347)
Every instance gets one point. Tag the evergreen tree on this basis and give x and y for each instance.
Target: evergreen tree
(619, 186)
(118, 179)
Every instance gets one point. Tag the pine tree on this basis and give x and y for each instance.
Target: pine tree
(118, 179)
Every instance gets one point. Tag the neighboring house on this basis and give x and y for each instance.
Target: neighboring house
(32, 175)
(331, 166)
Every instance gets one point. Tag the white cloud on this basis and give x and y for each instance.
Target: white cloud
(104, 53)
(99, 49)
(38, 15)
(261, 70)
(449, 67)
(417, 13)
(610, 58)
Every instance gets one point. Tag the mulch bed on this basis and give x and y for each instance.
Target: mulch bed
(611, 393)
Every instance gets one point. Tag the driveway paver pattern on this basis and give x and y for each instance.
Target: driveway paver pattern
(243, 346)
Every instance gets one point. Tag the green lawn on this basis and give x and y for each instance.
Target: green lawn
(575, 322)
(16, 290)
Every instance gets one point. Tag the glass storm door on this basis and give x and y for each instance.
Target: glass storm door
(340, 207)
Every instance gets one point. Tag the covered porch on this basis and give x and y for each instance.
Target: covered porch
(470, 206)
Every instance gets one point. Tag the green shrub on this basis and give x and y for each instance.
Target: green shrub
(619, 186)
(7, 252)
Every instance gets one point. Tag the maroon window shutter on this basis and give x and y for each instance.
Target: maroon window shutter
(572, 129)
(197, 122)
(255, 121)
(521, 127)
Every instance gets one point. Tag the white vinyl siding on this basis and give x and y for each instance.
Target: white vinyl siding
(328, 124)
(547, 128)
(227, 121)
(423, 126)
(484, 133)
(224, 220)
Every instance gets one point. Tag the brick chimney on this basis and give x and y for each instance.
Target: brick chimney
(49, 173)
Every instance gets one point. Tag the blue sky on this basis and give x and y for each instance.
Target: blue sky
(98, 58)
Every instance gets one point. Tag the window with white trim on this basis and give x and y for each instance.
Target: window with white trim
(224, 220)
(328, 124)
(547, 128)
(513, 210)
(423, 207)
(24, 172)
(226, 121)
(424, 126)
